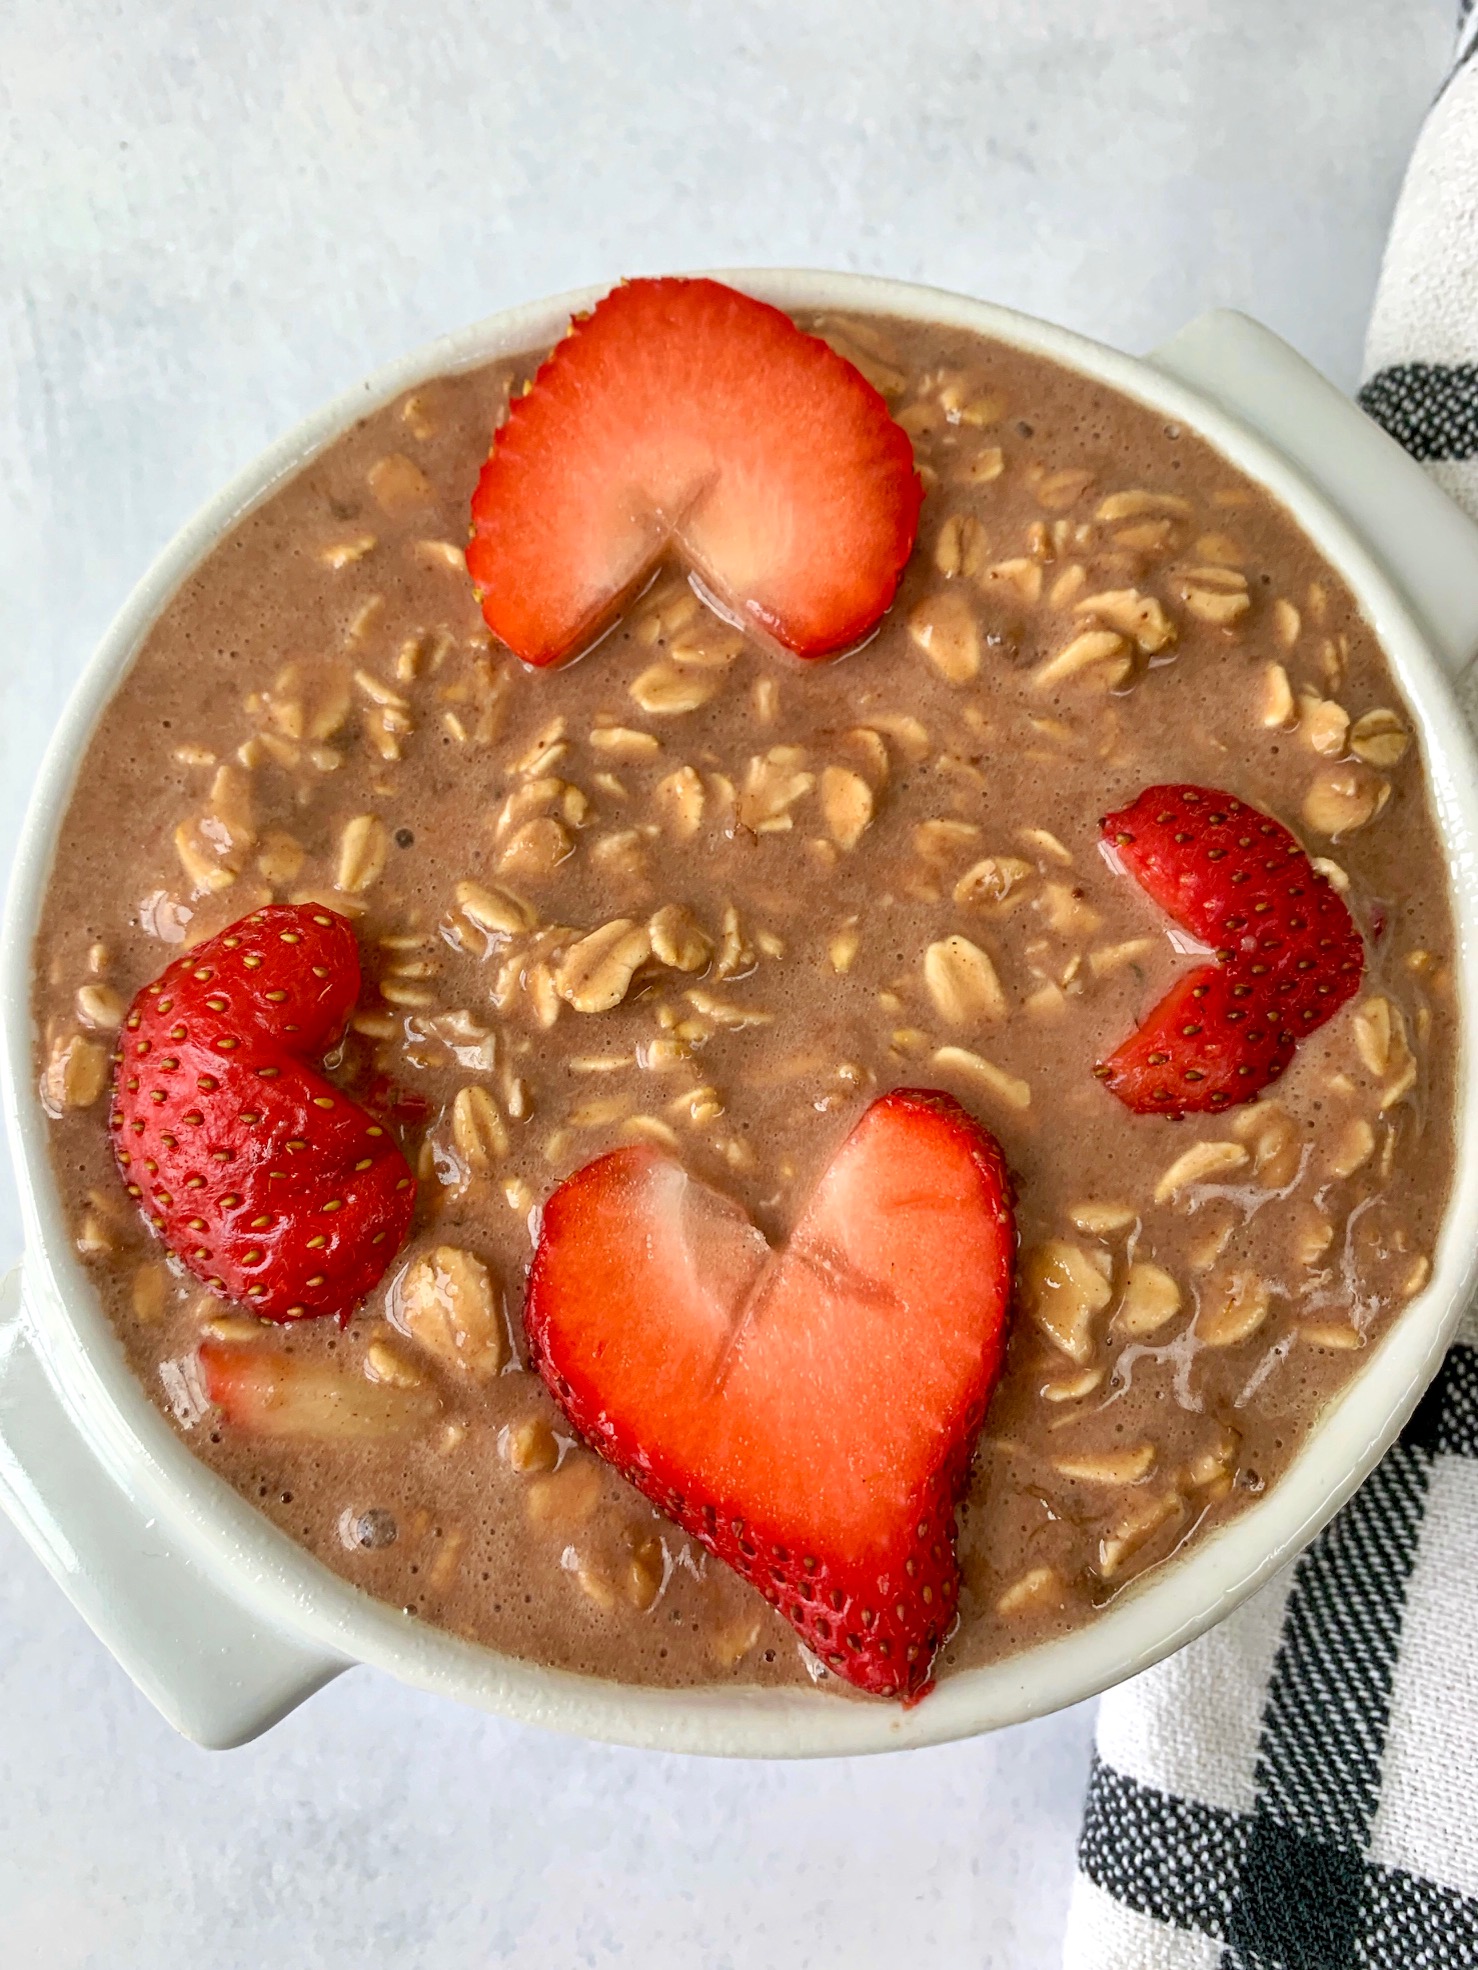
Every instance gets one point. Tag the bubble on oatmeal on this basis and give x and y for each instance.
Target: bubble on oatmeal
(369, 1531)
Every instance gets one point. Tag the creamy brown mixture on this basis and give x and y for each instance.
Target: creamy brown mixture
(691, 892)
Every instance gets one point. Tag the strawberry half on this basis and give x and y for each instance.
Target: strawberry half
(268, 1182)
(682, 416)
(1288, 954)
(808, 1414)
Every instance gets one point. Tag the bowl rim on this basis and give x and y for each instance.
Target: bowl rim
(281, 1584)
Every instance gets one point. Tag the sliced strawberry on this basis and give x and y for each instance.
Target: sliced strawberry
(267, 1393)
(1204, 1046)
(1288, 954)
(807, 1414)
(268, 1182)
(680, 415)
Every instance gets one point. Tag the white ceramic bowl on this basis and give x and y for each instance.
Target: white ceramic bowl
(226, 1624)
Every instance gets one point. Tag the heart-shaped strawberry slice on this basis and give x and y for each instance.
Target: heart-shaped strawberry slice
(681, 416)
(266, 1180)
(809, 1413)
(1288, 954)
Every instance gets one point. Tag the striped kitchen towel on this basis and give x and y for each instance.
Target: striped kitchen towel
(1298, 1790)
(1421, 355)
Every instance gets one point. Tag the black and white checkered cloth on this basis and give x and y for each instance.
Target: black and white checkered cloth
(1299, 1789)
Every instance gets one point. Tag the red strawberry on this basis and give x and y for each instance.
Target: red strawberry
(268, 1393)
(808, 1414)
(1288, 954)
(269, 1183)
(682, 415)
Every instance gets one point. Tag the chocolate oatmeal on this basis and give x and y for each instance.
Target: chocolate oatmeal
(693, 893)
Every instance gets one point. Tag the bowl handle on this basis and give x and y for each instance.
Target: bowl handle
(1425, 541)
(213, 1670)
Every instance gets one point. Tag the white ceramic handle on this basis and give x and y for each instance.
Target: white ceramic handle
(214, 1671)
(1426, 542)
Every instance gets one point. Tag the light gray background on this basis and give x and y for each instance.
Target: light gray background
(212, 217)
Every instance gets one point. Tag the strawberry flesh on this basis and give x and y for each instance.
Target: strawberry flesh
(267, 1181)
(807, 1414)
(680, 416)
(1287, 952)
(270, 1394)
